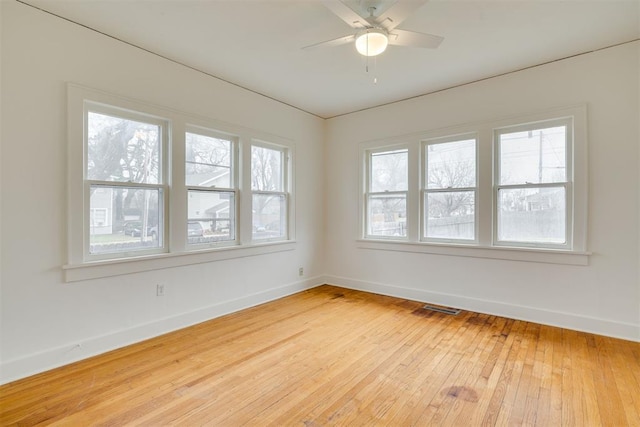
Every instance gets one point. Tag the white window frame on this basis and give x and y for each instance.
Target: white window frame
(368, 193)
(234, 167)
(285, 153)
(567, 184)
(424, 149)
(574, 253)
(175, 250)
(162, 186)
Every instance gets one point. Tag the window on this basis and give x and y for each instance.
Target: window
(269, 192)
(211, 188)
(509, 189)
(386, 193)
(150, 186)
(449, 189)
(533, 191)
(124, 180)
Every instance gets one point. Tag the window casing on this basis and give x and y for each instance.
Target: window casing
(181, 207)
(559, 190)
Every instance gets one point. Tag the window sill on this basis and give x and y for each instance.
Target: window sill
(548, 256)
(109, 268)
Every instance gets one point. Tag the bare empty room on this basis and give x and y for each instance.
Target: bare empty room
(358, 212)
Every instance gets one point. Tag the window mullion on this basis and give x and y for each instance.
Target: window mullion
(412, 198)
(484, 191)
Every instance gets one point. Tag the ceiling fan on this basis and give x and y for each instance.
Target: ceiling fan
(376, 28)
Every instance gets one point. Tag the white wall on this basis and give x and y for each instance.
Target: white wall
(603, 297)
(44, 319)
(1, 174)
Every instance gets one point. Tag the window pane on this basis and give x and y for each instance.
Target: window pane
(211, 216)
(534, 215)
(124, 219)
(269, 216)
(122, 150)
(451, 164)
(266, 169)
(208, 161)
(389, 171)
(536, 156)
(387, 215)
(451, 215)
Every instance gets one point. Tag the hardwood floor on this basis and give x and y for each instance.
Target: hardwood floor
(331, 356)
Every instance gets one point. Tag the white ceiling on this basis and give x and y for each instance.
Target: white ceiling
(257, 44)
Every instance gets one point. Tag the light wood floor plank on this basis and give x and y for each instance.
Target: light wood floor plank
(498, 405)
(529, 386)
(455, 388)
(486, 384)
(424, 367)
(333, 356)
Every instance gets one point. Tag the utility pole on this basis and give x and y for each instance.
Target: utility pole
(540, 157)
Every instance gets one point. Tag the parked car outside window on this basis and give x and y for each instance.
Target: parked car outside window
(194, 229)
(134, 229)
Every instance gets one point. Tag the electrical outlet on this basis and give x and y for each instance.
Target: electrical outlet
(301, 271)
(160, 290)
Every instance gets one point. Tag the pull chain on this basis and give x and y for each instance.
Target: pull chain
(375, 70)
(375, 67)
(375, 64)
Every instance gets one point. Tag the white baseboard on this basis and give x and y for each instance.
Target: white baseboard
(12, 370)
(627, 331)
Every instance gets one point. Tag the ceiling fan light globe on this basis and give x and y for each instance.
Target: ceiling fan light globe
(372, 42)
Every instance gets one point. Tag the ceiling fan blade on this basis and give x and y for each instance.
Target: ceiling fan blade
(345, 13)
(330, 43)
(397, 13)
(413, 39)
